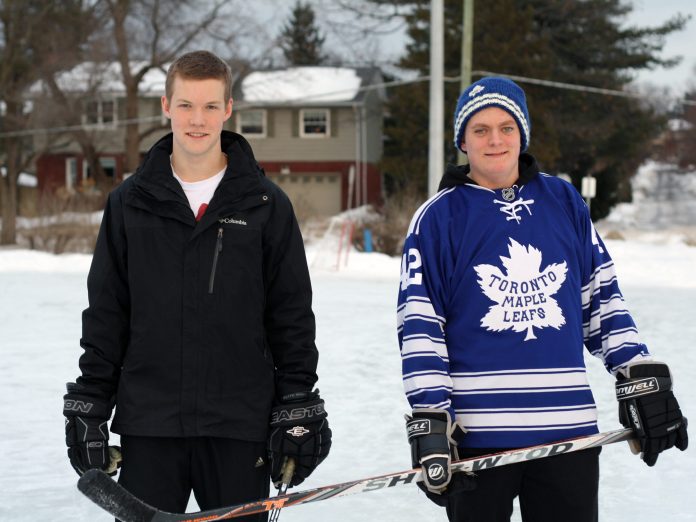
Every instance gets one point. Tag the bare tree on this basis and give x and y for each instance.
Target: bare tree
(149, 34)
(32, 38)
(67, 92)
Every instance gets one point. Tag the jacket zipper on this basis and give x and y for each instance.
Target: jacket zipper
(218, 249)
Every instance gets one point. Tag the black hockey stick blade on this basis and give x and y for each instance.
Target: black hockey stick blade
(110, 496)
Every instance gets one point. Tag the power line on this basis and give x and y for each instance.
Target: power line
(102, 127)
(383, 85)
(575, 87)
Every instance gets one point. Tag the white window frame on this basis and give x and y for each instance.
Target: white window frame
(70, 167)
(304, 134)
(264, 123)
(100, 112)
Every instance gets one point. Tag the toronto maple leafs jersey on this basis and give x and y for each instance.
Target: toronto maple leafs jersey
(501, 291)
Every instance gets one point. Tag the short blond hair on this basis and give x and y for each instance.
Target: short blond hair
(199, 65)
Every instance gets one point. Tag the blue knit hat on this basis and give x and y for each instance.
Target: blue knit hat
(492, 91)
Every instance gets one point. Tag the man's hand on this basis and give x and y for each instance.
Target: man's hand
(299, 431)
(86, 432)
(648, 406)
(434, 438)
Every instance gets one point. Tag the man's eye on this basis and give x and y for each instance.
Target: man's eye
(508, 130)
(479, 132)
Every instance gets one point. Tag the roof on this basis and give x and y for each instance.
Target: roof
(105, 77)
(677, 125)
(307, 85)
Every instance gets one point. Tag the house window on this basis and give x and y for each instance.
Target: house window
(252, 123)
(314, 123)
(107, 164)
(70, 173)
(100, 112)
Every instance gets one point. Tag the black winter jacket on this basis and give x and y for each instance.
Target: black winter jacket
(196, 327)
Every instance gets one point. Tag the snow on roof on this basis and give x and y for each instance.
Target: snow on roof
(23, 180)
(307, 84)
(105, 77)
(677, 124)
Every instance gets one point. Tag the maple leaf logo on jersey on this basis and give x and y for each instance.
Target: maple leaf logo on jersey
(523, 294)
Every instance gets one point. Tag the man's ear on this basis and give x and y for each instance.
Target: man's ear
(228, 109)
(165, 107)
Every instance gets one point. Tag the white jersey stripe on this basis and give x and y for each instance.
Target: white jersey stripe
(610, 308)
(522, 390)
(520, 381)
(533, 428)
(424, 345)
(517, 419)
(532, 370)
(539, 409)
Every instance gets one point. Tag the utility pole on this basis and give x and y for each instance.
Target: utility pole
(436, 151)
(467, 57)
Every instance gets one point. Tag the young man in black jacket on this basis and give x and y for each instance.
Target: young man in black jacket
(199, 327)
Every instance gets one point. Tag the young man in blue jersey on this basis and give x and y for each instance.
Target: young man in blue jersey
(504, 282)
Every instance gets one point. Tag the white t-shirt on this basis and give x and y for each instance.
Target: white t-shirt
(199, 193)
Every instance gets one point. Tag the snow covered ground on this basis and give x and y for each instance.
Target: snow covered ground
(43, 296)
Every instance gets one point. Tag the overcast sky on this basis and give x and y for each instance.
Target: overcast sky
(388, 47)
(683, 43)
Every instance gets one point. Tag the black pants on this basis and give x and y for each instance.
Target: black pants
(552, 489)
(163, 471)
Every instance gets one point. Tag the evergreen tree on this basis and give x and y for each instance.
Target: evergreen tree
(300, 38)
(578, 133)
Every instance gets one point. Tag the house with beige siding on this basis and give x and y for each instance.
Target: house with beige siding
(316, 131)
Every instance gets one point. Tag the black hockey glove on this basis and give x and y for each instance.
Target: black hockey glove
(434, 438)
(299, 431)
(86, 432)
(647, 404)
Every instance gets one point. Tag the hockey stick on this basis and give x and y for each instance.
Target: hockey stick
(109, 495)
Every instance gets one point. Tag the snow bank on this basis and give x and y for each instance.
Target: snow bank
(664, 199)
(15, 260)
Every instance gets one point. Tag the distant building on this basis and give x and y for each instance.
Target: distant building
(676, 143)
(316, 131)
(64, 167)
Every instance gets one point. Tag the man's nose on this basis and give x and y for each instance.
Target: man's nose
(197, 117)
(495, 136)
